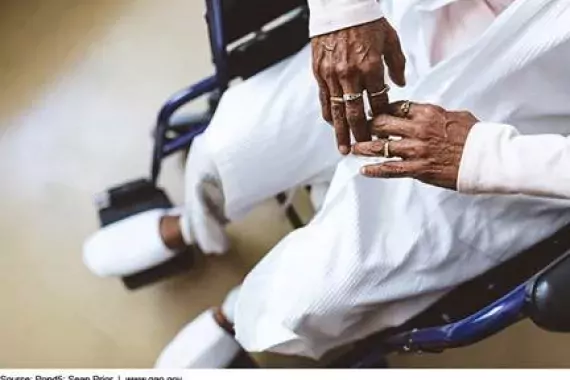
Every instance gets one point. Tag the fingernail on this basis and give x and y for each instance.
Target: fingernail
(363, 171)
(343, 149)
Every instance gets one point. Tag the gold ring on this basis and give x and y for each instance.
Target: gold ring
(387, 149)
(337, 99)
(405, 108)
(381, 92)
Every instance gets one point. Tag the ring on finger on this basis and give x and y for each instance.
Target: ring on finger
(351, 97)
(386, 149)
(381, 92)
(405, 108)
(337, 99)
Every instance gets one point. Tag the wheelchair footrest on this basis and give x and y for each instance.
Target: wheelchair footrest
(132, 198)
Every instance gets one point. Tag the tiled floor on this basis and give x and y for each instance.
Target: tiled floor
(80, 85)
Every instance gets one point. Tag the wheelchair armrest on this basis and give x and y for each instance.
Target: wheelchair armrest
(486, 322)
(548, 297)
(474, 328)
(179, 99)
(182, 97)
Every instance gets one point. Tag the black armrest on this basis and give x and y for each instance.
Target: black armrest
(269, 46)
(549, 297)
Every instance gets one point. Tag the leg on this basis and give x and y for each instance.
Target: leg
(268, 136)
(208, 342)
(257, 145)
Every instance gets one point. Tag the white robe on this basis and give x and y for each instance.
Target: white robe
(267, 136)
(381, 251)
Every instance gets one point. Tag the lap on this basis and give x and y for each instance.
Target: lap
(378, 253)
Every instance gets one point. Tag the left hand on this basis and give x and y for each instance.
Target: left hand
(431, 144)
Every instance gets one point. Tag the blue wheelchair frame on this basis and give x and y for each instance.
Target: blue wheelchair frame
(512, 305)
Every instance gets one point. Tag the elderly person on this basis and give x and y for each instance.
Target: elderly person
(379, 251)
(382, 250)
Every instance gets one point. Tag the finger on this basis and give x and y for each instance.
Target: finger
(354, 109)
(337, 112)
(405, 148)
(369, 148)
(341, 128)
(319, 72)
(395, 59)
(374, 83)
(325, 99)
(392, 169)
(387, 125)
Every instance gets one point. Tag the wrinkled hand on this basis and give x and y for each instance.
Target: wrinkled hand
(431, 144)
(349, 61)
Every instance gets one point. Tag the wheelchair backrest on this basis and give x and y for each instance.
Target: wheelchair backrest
(242, 17)
(248, 36)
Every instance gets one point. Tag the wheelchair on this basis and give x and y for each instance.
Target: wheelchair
(247, 36)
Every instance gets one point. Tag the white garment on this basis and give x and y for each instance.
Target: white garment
(498, 159)
(128, 246)
(202, 343)
(381, 251)
(330, 15)
(257, 145)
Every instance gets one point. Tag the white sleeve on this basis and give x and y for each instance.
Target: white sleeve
(329, 15)
(498, 159)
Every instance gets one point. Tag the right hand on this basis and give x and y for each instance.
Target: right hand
(349, 61)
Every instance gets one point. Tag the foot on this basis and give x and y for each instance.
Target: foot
(206, 342)
(133, 244)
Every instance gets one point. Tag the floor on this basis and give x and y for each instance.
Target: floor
(81, 82)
